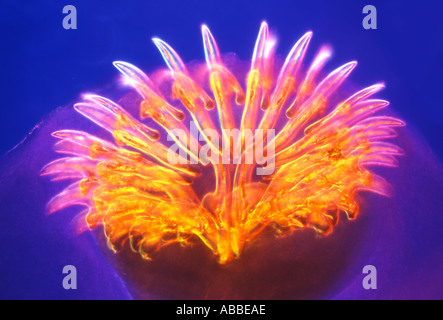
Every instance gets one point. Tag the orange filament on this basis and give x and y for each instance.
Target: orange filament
(321, 159)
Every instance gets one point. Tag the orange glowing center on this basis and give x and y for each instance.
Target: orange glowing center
(141, 198)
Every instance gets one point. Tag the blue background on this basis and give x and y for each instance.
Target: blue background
(44, 66)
